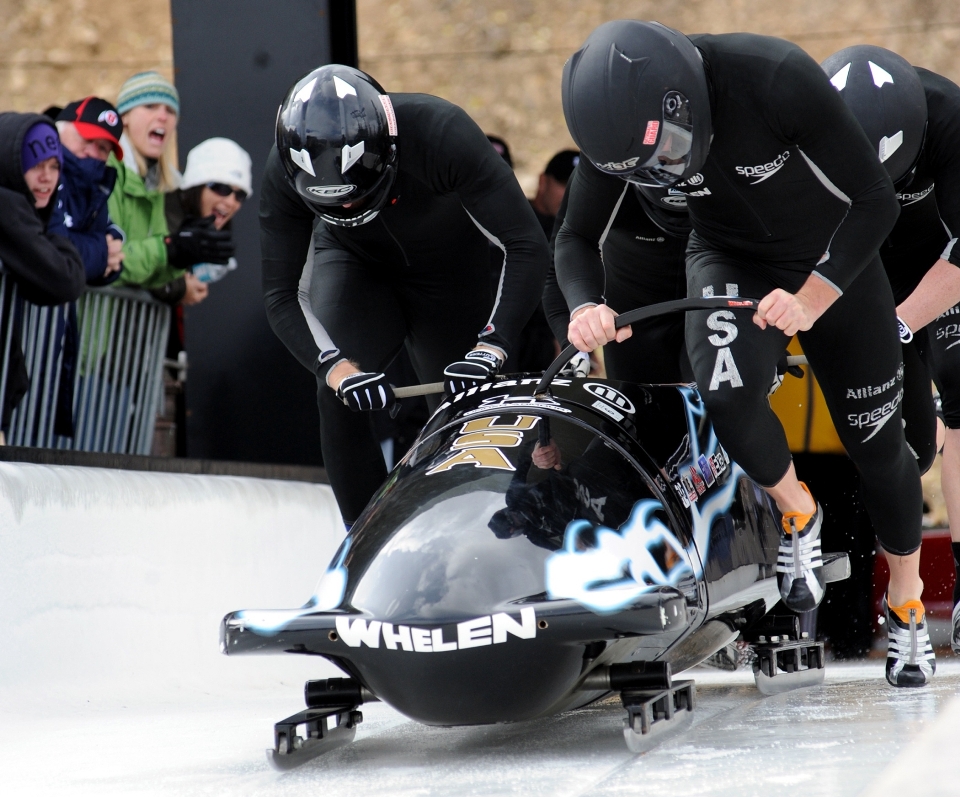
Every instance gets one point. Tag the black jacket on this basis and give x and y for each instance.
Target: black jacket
(46, 268)
(450, 182)
(791, 184)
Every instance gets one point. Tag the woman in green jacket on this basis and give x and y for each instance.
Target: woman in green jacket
(153, 256)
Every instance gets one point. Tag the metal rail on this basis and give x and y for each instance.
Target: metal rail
(117, 379)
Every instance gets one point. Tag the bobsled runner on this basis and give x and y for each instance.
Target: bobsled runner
(545, 542)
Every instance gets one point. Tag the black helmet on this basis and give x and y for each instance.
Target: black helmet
(337, 140)
(885, 94)
(636, 102)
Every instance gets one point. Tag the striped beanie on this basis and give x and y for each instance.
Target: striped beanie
(147, 88)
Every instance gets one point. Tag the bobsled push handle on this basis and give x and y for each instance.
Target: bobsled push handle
(650, 311)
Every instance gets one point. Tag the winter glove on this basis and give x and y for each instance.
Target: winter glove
(781, 371)
(474, 369)
(578, 367)
(365, 391)
(906, 334)
(198, 242)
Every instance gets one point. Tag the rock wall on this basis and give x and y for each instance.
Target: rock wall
(499, 59)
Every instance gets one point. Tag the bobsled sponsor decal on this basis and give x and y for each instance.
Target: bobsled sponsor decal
(480, 441)
(694, 480)
(327, 595)
(492, 629)
(622, 566)
(610, 396)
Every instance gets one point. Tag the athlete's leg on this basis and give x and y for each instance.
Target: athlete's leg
(854, 350)
(942, 349)
(734, 362)
(919, 411)
(361, 315)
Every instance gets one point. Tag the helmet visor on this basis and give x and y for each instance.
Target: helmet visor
(674, 148)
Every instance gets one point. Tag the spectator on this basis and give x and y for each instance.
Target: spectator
(551, 187)
(46, 267)
(149, 105)
(90, 130)
(215, 184)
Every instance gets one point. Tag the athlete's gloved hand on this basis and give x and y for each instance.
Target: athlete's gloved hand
(906, 334)
(198, 242)
(578, 366)
(476, 368)
(365, 391)
(782, 369)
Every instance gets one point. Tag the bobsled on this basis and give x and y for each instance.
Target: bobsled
(545, 542)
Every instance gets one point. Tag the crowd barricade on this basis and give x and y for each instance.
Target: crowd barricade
(95, 365)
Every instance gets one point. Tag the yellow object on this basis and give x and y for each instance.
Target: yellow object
(801, 408)
(903, 612)
(800, 519)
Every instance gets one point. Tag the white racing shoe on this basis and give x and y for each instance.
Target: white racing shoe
(910, 657)
(799, 561)
(955, 636)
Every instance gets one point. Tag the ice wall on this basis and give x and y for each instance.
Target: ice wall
(114, 582)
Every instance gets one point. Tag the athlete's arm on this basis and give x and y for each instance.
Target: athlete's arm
(806, 110)
(939, 290)
(464, 162)
(795, 312)
(593, 201)
(286, 230)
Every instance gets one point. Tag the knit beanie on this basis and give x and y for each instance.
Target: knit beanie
(40, 142)
(147, 88)
(218, 160)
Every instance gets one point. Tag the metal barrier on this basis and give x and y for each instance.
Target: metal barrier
(117, 378)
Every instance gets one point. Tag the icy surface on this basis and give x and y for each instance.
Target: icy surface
(112, 586)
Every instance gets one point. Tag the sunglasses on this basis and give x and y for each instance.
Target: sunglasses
(222, 189)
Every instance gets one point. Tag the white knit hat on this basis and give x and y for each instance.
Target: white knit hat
(218, 160)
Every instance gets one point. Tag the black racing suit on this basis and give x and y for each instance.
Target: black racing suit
(631, 244)
(792, 187)
(417, 273)
(927, 231)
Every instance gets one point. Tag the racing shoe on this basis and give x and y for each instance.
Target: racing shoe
(799, 561)
(910, 657)
(955, 636)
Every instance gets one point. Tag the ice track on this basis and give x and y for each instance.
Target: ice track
(112, 585)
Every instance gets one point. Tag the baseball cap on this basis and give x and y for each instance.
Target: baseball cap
(95, 118)
(562, 164)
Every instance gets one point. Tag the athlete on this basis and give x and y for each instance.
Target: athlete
(912, 118)
(788, 204)
(400, 194)
(629, 242)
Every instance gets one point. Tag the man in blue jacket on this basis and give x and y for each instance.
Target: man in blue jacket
(89, 130)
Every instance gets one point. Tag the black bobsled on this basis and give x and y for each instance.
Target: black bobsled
(535, 550)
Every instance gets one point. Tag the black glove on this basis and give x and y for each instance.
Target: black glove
(198, 242)
(366, 391)
(782, 370)
(474, 369)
